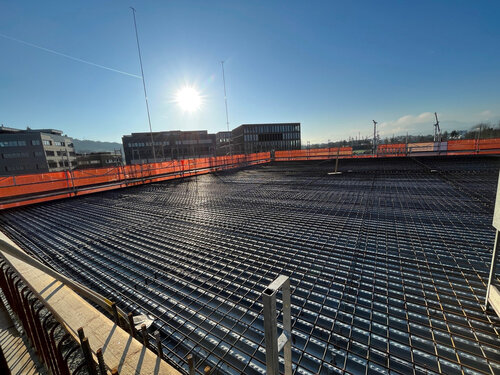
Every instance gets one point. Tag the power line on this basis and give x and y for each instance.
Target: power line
(68, 56)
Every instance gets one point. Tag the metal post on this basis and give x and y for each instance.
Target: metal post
(227, 116)
(145, 338)
(100, 361)
(494, 260)
(88, 356)
(115, 313)
(131, 324)
(4, 367)
(275, 344)
(144, 87)
(494, 301)
(337, 161)
(190, 361)
(159, 349)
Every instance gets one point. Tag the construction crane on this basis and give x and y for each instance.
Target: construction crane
(437, 129)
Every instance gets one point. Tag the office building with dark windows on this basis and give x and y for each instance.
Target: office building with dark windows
(168, 145)
(34, 151)
(99, 160)
(223, 143)
(250, 138)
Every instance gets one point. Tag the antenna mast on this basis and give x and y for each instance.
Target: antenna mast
(225, 100)
(144, 86)
(437, 129)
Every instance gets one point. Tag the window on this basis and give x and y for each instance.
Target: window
(35, 142)
(57, 143)
(38, 154)
(52, 164)
(14, 168)
(12, 143)
(46, 142)
(270, 137)
(50, 153)
(15, 155)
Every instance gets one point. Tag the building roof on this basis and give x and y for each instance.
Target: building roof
(166, 132)
(7, 130)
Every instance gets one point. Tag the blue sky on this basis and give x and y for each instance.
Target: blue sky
(331, 65)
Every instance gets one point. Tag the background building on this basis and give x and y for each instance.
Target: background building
(98, 160)
(222, 143)
(168, 145)
(34, 151)
(249, 138)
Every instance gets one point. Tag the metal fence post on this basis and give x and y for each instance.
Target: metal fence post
(275, 343)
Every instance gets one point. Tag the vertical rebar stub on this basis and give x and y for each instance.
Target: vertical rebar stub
(274, 344)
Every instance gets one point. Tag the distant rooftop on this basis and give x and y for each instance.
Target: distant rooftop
(5, 129)
(167, 132)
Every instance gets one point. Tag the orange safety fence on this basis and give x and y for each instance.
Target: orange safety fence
(462, 145)
(388, 150)
(29, 189)
(473, 146)
(489, 146)
(313, 154)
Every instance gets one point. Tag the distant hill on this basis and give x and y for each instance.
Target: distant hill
(85, 146)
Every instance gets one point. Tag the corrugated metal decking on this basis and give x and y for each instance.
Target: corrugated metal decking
(388, 263)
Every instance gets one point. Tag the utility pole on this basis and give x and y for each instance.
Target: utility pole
(437, 130)
(374, 137)
(225, 100)
(144, 86)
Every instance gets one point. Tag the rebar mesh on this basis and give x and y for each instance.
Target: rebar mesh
(388, 263)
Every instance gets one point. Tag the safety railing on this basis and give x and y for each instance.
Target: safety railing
(28, 189)
(53, 344)
(54, 319)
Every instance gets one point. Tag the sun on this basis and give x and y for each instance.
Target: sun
(188, 99)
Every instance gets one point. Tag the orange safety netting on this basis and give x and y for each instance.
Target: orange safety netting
(34, 188)
(394, 149)
(28, 189)
(473, 146)
(312, 154)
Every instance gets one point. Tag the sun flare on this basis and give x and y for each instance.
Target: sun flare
(188, 99)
